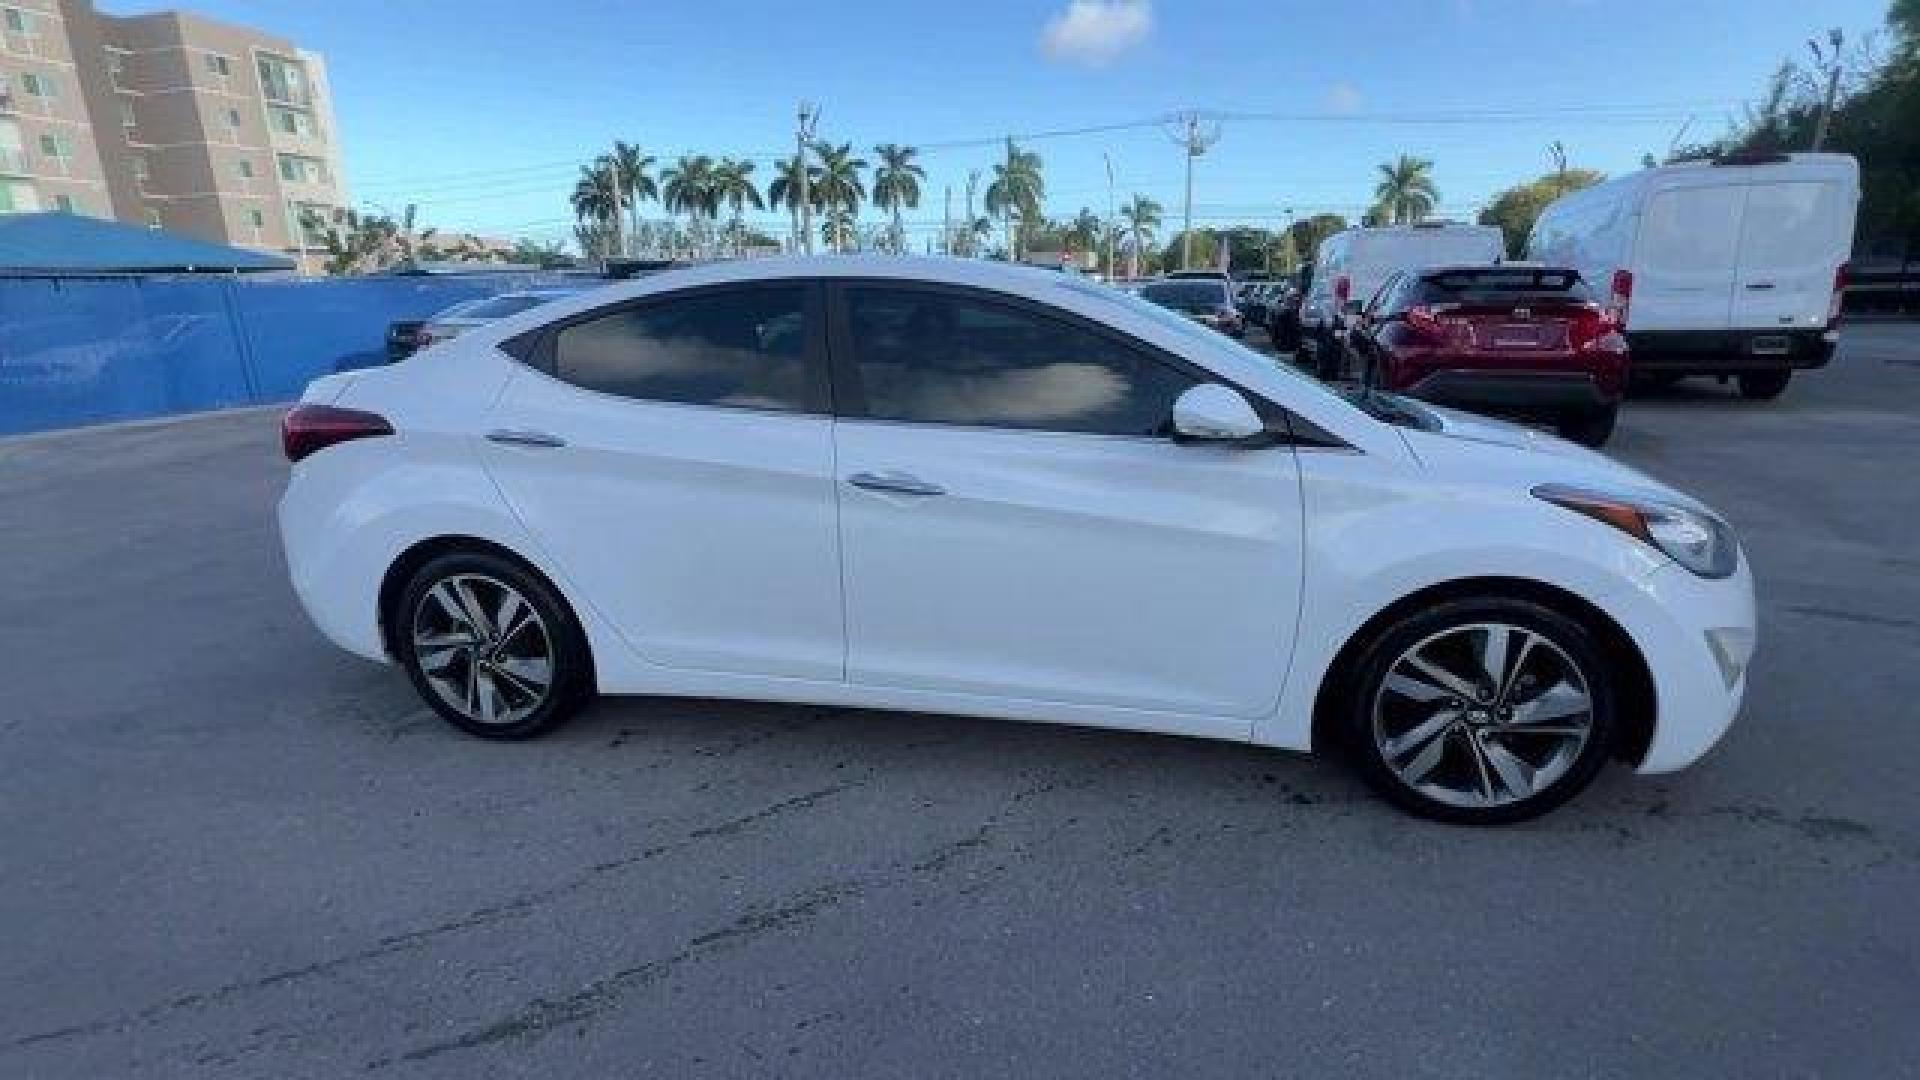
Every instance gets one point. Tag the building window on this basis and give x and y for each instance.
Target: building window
(244, 168)
(139, 167)
(291, 121)
(283, 80)
(256, 218)
(217, 64)
(153, 217)
(58, 147)
(38, 85)
(302, 170)
(22, 23)
(18, 197)
(66, 204)
(233, 119)
(126, 114)
(116, 66)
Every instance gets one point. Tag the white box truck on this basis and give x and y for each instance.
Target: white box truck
(1732, 268)
(1351, 265)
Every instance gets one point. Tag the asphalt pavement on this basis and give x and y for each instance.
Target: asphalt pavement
(234, 851)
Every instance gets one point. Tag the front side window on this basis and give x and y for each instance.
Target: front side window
(741, 348)
(933, 357)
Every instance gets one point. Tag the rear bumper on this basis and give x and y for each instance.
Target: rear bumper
(1542, 391)
(1710, 352)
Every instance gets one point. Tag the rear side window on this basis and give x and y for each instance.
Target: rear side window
(933, 357)
(741, 348)
(1691, 230)
(1505, 285)
(1791, 226)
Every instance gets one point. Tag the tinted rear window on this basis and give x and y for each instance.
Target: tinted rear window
(1189, 292)
(1501, 285)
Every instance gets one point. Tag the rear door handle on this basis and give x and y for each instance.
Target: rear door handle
(895, 483)
(1757, 285)
(523, 437)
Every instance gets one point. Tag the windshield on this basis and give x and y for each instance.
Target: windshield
(1186, 294)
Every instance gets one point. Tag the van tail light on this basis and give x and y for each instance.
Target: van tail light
(308, 429)
(1342, 289)
(1621, 297)
(1839, 295)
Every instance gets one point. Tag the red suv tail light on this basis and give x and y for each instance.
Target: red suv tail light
(1621, 298)
(308, 429)
(1839, 295)
(1594, 327)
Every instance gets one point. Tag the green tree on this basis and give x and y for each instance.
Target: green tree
(1307, 234)
(1206, 249)
(1016, 193)
(547, 256)
(1516, 209)
(733, 186)
(1142, 217)
(841, 189)
(896, 184)
(1406, 192)
(688, 188)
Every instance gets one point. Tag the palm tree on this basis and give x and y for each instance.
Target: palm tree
(1016, 192)
(785, 190)
(733, 185)
(593, 194)
(840, 188)
(1084, 233)
(1406, 192)
(688, 188)
(1142, 216)
(896, 183)
(630, 167)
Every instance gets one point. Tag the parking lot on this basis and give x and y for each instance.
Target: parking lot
(235, 851)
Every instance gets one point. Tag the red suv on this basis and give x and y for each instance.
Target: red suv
(1511, 338)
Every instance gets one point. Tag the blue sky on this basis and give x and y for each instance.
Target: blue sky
(481, 110)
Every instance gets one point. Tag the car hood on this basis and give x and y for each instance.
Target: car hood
(1470, 447)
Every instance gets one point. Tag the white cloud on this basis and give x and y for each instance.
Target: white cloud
(1094, 32)
(1343, 98)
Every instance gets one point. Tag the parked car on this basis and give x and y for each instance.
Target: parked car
(1517, 339)
(1733, 268)
(1206, 300)
(1351, 265)
(973, 488)
(1283, 315)
(463, 317)
(1254, 301)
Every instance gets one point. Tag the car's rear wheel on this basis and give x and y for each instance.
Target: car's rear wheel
(1592, 428)
(1764, 385)
(490, 646)
(1481, 712)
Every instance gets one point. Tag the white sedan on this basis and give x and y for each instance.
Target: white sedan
(972, 488)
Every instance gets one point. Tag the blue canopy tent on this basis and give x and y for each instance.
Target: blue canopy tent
(59, 244)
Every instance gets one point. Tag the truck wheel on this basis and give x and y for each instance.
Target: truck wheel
(1764, 385)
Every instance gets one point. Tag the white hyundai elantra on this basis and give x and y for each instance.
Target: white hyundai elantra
(971, 488)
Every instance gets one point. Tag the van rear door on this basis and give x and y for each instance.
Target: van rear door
(1685, 256)
(1794, 235)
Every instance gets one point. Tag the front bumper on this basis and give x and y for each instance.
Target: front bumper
(1674, 617)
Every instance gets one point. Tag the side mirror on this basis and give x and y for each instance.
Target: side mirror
(1215, 413)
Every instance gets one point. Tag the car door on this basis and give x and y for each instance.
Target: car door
(673, 456)
(1792, 238)
(1684, 258)
(1017, 523)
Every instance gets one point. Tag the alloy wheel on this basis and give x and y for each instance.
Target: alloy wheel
(1482, 715)
(483, 648)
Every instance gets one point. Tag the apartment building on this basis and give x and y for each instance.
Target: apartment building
(166, 119)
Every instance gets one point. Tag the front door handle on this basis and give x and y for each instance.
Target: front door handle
(895, 483)
(1758, 285)
(523, 437)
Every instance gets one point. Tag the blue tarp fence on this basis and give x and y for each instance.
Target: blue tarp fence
(87, 350)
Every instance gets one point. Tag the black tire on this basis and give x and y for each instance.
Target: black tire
(1574, 644)
(570, 663)
(1590, 429)
(1764, 385)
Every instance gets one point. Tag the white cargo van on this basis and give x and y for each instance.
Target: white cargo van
(1727, 268)
(1352, 264)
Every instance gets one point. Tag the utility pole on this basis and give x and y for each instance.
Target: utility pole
(613, 173)
(946, 223)
(1195, 139)
(1831, 60)
(973, 178)
(803, 138)
(1110, 214)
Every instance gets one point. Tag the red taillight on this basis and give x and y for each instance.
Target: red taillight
(1594, 327)
(1342, 288)
(1422, 318)
(307, 429)
(1839, 294)
(1622, 296)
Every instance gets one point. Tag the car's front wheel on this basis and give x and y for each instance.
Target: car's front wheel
(1481, 712)
(1592, 428)
(490, 646)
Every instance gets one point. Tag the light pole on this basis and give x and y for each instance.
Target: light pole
(1195, 140)
(1110, 218)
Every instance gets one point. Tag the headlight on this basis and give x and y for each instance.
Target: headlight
(1696, 540)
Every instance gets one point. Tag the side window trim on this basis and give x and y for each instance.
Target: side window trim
(536, 348)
